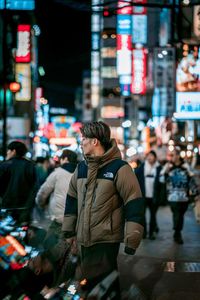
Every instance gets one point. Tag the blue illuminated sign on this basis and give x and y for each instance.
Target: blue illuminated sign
(17, 4)
(124, 24)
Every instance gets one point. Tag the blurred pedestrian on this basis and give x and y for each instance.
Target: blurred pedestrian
(180, 185)
(52, 194)
(148, 177)
(18, 182)
(103, 195)
(42, 168)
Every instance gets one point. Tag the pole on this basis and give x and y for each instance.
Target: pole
(4, 146)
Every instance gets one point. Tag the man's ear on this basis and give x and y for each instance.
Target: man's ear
(95, 142)
(37, 271)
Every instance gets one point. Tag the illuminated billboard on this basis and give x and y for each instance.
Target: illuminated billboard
(23, 76)
(188, 69)
(164, 79)
(140, 10)
(139, 34)
(23, 52)
(17, 4)
(187, 105)
(124, 24)
(139, 71)
(124, 45)
(123, 54)
(196, 21)
(124, 8)
(112, 112)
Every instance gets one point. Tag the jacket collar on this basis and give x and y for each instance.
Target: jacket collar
(112, 153)
(69, 167)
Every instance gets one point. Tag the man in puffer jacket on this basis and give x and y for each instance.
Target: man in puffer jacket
(104, 205)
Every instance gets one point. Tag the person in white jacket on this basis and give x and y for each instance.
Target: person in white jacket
(52, 194)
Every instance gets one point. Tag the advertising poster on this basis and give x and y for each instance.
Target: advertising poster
(188, 69)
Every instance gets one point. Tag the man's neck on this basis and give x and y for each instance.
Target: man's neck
(98, 152)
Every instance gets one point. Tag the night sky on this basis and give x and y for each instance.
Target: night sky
(64, 48)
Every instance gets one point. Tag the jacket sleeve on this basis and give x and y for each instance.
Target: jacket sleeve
(129, 190)
(71, 208)
(46, 189)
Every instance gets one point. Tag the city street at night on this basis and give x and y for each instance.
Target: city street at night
(100, 149)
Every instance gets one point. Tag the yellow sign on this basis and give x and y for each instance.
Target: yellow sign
(23, 76)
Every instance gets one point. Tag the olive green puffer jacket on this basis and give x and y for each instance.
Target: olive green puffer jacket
(104, 202)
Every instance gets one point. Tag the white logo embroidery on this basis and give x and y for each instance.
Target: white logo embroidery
(108, 175)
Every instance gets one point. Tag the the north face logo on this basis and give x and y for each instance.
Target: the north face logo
(108, 175)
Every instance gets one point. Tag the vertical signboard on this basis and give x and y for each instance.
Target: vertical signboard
(123, 54)
(124, 46)
(165, 27)
(139, 21)
(164, 79)
(139, 71)
(23, 76)
(95, 54)
(23, 52)
(196, 21)
(38, 96)
(188, 83)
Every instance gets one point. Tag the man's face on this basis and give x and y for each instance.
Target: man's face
(87, 146)
(175, 157)
(10, 154)
(151, 159)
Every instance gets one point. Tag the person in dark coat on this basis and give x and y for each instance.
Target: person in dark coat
(18, 182)
(148, 177)
(180, 186)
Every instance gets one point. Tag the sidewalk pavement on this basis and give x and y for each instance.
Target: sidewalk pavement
(162, 269)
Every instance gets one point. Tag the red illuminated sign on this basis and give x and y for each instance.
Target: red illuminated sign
(23, 53)
(139, 69)
(126, 8)
(124, 41)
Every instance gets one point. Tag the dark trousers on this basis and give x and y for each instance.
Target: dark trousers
(98, 261)
(178, 210)
(153, 207)
(53, 234)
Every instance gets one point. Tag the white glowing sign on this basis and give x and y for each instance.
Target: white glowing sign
(139, 34)
(38, 95)
(139, 61)
(23, 53)
(123, 54)
(123, 62)
(187, 105)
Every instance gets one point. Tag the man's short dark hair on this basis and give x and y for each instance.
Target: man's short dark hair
(19, 147)
(152, 152)
(41, 159)
(98, 130)
(71, 155)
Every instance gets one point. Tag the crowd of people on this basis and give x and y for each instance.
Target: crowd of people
(92, 206)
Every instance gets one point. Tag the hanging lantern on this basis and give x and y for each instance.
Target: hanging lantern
(14, 87)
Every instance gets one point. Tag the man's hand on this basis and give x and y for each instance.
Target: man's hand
(129, 250)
